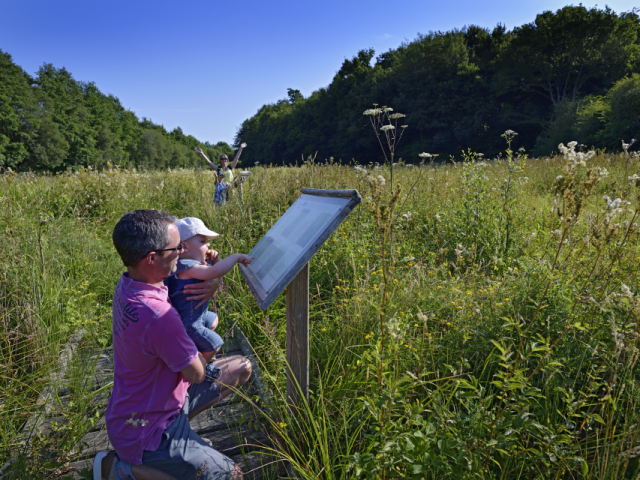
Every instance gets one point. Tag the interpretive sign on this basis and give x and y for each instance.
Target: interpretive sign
(287, 247)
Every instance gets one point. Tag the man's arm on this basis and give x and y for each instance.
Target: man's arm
(195, 372)
(235, 160)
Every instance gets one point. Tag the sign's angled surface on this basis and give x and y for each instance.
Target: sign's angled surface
(294, 239)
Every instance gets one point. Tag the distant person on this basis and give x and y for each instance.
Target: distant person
(194, 267)
(225, 174)
(160, 379)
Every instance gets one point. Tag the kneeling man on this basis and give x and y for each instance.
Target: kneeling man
(160, 379)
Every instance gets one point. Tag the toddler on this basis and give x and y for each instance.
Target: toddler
(193, 267)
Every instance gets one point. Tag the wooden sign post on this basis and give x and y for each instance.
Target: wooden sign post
(298, 336)
(282, 261)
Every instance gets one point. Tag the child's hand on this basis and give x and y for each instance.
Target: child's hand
(212, 256)
(245, 259)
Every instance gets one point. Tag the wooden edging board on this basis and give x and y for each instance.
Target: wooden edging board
(313, 217)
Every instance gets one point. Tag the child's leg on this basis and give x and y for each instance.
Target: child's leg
(210, 320)
(207, 341)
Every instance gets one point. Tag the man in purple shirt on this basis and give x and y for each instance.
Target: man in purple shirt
(160, 379)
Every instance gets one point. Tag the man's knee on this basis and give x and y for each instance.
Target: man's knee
(237, 473)
(246, 366)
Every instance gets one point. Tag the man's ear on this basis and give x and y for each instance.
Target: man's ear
(151, 258)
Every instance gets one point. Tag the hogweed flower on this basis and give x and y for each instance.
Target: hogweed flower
(397, 115)
(372, 111)
(387, 127)
(625, 146)
(381, 181)
(509, 134)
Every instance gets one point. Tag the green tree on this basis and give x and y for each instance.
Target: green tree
(16, 112)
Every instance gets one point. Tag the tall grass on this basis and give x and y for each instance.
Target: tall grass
(498, 338)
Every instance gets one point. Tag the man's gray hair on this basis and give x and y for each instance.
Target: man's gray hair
(140, 232)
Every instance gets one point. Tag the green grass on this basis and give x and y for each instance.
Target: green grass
(486, 337)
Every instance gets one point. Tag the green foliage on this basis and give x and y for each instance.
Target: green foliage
(54, 122)
(517, 358)
(462, 88)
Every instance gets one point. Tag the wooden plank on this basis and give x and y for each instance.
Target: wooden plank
(232, 425)
(255, 381)
(216, 417)
(298, 337)
(251, 464)
(237, 439)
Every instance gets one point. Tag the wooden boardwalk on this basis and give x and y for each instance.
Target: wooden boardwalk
(232, 426)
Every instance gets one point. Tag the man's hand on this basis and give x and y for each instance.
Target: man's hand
(198, 150)
(243, 145)
(202, 291)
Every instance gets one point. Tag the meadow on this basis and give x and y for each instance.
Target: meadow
(470, 319)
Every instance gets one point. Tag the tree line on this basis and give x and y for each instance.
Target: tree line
(53, 122)
(568, 75)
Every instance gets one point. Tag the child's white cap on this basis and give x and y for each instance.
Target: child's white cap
(192, 226)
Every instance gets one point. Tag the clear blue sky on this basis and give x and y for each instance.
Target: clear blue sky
(208, 65)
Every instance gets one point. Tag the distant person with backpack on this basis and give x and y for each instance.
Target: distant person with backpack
(225, 174)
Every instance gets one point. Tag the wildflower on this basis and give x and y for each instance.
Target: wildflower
(372, 111)
(395, 331)
(612, 204)
(438, 218)
(397, 115)
(509, 134)
(404, 126)
(625, 146)
(358, 168)
(381, 180)
(387, 127)
(407, 216)
(626, 292)
(634, 180)
(387, 109)
(425, 155)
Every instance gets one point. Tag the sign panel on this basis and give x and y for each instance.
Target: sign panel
(294, 239)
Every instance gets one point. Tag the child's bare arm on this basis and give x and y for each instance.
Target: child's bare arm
(208, 272)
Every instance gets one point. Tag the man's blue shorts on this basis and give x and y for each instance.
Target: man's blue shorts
(182, 453)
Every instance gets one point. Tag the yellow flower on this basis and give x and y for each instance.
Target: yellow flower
(282, 425)
(324, 329)
(395, 280)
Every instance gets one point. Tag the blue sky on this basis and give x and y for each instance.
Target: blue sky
(208, 65)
